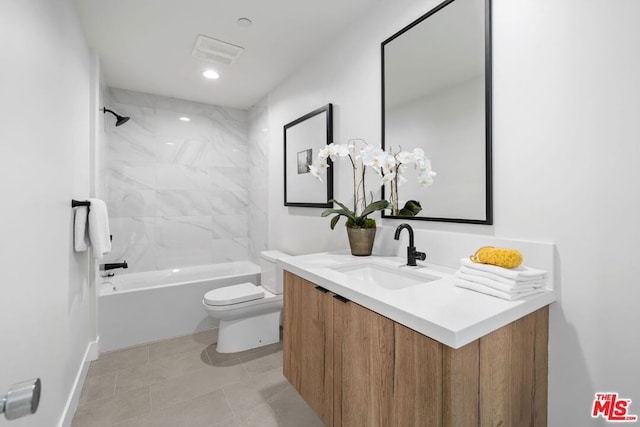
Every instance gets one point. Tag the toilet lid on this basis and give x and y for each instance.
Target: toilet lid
(234, 294)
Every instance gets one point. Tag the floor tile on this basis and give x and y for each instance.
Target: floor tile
(106, 412)
(287, 410)
(262, 361)
(261, 388)
(92, 415)
(242, 355)
(162, 369)
(197, 383)
(111, 362)
(183, 344)
(185, 382)
(202, 411)
(98, 387)
(130, 404)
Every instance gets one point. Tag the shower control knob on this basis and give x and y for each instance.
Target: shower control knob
(21, 399)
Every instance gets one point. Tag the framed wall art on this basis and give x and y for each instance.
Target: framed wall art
(303, 139)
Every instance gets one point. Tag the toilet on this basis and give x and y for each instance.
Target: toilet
(249, 315)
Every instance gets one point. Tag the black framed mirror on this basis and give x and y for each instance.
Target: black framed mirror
(436, 95)
(303, 139)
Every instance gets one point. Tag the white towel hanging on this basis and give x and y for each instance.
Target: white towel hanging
(80, 238)
(99, 228)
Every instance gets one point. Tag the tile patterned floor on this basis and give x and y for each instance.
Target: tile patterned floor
(184, 382)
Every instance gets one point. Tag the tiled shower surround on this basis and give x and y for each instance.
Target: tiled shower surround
(177, 191)
(258, 179)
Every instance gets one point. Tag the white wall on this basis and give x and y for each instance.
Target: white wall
(566, 148)
(45, 132)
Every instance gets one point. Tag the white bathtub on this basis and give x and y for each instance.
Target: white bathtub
(144, 307)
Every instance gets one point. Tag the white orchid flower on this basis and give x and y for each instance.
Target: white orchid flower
(405, 157)
(323, 166)
(367, 155)
(370, 156)
(318, 169)
(387, 178)
(388, 163)
(315, 171)
(338, 150)
(424, 165)
(418, 154)
(324, 152)
(402, 169)
(380, 158)
(426, 179)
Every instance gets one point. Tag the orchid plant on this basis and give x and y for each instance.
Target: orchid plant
(389, 166)
(356, 217)
(392, 170)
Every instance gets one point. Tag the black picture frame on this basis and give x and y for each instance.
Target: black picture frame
(488, 219)
(303, 138)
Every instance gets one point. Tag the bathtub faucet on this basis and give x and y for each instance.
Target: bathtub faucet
(106, 267)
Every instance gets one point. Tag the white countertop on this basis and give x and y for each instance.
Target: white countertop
(437, 309)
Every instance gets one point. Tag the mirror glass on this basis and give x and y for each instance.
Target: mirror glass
(436, 95)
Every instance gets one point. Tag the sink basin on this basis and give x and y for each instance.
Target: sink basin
(387, 277)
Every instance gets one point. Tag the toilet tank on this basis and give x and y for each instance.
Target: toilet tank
(268, 277)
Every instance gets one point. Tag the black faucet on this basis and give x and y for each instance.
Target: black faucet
(412, 253)
(105, 267)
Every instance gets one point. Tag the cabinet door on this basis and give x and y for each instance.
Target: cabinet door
(363, 364)
(418, 378)
(308, 343)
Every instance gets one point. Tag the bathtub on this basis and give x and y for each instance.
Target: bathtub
(139, 308)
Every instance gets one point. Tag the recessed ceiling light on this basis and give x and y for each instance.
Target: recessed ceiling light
(185, 119)
(211, 74)
(244, 22)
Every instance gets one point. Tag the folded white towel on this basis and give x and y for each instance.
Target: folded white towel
(519, 287)
(519, 273)
(80, 239)
(494, 292)
(501, 279)
(99, 228)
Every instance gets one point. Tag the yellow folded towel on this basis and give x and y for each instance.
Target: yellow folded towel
(507, 258)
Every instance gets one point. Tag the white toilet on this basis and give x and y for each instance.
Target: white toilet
(249, 315)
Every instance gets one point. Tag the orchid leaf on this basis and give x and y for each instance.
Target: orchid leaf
(375, 206)
(334, 221)
(344, 212)
(341, 205)
(411, 208)
(336, 211)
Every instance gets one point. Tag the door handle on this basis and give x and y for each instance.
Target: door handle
(341, 299)
(21, 399)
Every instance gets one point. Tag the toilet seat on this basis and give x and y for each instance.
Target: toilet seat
(234, 294)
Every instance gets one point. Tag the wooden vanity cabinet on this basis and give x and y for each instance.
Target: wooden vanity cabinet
(308, 343)
(355, 367)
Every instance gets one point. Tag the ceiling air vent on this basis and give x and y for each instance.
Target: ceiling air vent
(216, 51)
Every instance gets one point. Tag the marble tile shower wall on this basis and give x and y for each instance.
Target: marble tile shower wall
(177, 191)
(258, 179)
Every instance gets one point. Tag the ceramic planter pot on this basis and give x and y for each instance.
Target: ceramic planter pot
(361, 240)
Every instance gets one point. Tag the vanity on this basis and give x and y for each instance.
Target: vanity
(372, 342)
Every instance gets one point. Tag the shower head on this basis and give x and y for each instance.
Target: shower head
(120, 120)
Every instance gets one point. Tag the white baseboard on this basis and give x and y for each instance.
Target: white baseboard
(91, 353)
